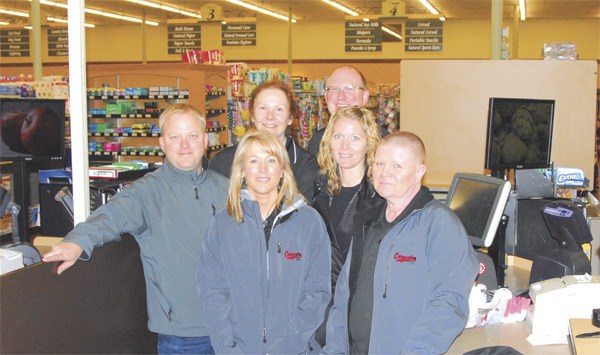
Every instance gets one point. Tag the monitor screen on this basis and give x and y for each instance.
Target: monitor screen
(32, 129)
(479, 203)
(519, 134)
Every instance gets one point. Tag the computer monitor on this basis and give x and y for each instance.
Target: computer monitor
(32, 129)
(519, 133)
(479, 202)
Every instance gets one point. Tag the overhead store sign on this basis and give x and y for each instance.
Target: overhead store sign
(58, 42)
(424, 36)
(183, 38)
(210, 12)
(14, 43)
(238, 34)
(363, 36)
(393, 8)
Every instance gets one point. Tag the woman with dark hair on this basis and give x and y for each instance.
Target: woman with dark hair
(345, 155)
(261, 275)
(273, 109)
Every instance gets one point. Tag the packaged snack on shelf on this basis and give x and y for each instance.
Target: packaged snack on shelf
(216, 56)
(192, 56)
(112, 147)
(237, 71)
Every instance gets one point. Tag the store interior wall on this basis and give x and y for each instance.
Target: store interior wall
(463, 39)
(457, 105)
(318, 47)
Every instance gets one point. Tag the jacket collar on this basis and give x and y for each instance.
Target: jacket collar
(172, 170)
(321, 184)
(421, 199)
(286, 209)
(292, 150)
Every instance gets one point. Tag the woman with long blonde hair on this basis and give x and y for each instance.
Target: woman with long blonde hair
(264, 269)
(346, 155)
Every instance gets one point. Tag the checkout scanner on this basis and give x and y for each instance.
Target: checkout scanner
(18, 254)
(567, 226)
(557, 300)
(479, 202)
(548, 230)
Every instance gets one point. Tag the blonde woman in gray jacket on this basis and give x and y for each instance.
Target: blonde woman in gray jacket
(264, 273)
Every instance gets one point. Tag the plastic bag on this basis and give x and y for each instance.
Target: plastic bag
(503, 308)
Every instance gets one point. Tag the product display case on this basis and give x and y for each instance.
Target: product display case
(125, 101)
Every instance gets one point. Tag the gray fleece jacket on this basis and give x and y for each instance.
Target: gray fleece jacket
(168, 212)
(261, 298)
(423, 273)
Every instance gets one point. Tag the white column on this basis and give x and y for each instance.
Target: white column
(36, 39)
(78, 105)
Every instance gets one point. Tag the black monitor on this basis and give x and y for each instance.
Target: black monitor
(479, 202)
(32, 129)
(519, 133)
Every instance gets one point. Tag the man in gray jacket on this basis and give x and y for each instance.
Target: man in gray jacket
(168, 212)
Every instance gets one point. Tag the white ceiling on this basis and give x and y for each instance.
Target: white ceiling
(316, 10)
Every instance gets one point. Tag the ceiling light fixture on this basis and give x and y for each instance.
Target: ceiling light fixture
(120, 17)
(166, 8)
(101, 13)
(442, 18)
(395, 34)
(522, 11)
(3, 23)
(341, 7)
(261, 10)
(62, 20)
(429, 7)
(14, 13)
(53, 3)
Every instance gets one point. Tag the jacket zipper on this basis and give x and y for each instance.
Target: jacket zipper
(268, 276)
(387, 270)
(265, 301)
(387, 264)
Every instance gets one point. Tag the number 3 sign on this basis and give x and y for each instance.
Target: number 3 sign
(211, 12)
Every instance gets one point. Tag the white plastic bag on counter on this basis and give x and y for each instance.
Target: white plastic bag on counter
(503, 308)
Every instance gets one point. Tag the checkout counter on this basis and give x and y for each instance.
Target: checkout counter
(515, 334)
(98, 306)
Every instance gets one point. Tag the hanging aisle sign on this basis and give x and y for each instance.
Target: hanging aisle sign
(363, 36)
(393, 8)
(14, 43)
(210, 12)
(183, 38)
(58, 42)
(424, 36)
(238, 34)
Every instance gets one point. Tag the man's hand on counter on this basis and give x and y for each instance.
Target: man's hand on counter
(66, 252)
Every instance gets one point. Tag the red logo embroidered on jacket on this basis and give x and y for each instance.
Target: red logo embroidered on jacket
(404, 258)
(482, 268)
(292, 256)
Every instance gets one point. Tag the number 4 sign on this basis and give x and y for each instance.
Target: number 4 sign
(393, 8)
